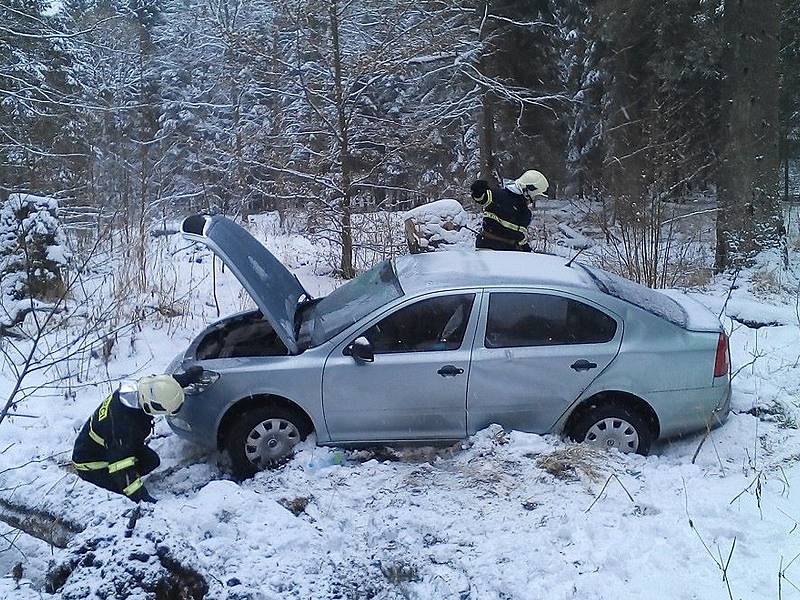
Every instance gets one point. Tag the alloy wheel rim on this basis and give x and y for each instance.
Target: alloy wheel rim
(270, 441)
(613, 432)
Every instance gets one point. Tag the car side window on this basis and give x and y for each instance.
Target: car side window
(519, 319)
(428, 325)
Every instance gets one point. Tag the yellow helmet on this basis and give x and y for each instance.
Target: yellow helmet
(532, 183)
(160, 395)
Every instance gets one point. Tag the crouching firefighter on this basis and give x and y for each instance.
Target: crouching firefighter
(111, 450)
(506, 215)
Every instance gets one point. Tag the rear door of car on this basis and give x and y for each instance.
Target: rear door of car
(535, 352)
(416, 387)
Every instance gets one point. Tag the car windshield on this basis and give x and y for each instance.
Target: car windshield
(348, 303)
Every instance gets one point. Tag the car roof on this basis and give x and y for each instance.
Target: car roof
(481, 268)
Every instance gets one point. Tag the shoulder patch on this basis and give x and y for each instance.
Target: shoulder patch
(102, 412)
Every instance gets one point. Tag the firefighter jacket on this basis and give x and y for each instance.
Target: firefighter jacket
(107, 447)
(505, 215)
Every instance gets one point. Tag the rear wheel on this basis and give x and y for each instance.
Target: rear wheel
(613, 425)
(263, 438)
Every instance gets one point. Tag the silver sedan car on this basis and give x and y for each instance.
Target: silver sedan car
(435, 347)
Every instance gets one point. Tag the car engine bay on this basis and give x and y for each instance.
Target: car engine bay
(244, 335)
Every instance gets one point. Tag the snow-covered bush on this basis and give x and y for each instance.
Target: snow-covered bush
(33, 250)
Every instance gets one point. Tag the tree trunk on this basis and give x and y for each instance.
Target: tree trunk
(345, 202)
(147, 132)
(488, 161)
(750, 217)
(487, 153)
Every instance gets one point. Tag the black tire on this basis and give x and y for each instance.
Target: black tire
(613, 409)
(236, 438)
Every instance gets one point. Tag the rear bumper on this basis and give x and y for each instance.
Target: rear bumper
(687, 411)
(721, 413)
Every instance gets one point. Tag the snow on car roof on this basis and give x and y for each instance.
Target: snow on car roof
(459, 268)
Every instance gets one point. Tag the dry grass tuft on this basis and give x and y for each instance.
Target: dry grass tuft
(407, 454)
(296, 506)
(399, 572)
(695, 277)
(765, 282)
(569, 463)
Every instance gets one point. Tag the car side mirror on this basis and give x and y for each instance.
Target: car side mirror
(361, 350)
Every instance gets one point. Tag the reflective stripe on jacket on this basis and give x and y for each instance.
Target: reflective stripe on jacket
(505, 215)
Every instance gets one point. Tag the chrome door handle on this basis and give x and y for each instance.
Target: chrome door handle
(450, 371)
(583, 365)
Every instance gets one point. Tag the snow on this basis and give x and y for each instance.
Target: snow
(489, 519)
(486, 267)
(573, 238)
(794, 177)
(698, 316)
(442, 221)
(754, 311)
(501, 515)
(17, 201)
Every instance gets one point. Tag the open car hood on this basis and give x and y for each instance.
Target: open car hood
(275, 290)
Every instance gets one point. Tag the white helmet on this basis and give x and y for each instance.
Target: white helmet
(532, 184)
(160, 395)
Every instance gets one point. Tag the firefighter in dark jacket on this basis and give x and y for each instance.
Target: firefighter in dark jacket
(111, 450)
(506, 215)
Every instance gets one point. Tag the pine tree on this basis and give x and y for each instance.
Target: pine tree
(686, 67)
(39, 146)
(790, 90)
(661, 104)
(527, 57)
(750, 218)
(343, 133)
(33, 250)
(585, 83)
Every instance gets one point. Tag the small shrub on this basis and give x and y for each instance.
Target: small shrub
(33, 251)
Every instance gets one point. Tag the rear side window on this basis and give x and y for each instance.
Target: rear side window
(425, 326)
(518, 319)
(652, 301)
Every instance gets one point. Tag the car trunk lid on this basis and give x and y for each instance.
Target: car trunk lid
(274, 289)
(698, 316)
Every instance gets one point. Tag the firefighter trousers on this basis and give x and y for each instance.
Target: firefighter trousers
(147, 460)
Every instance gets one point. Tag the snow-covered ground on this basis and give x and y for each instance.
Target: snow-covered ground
(504, 515)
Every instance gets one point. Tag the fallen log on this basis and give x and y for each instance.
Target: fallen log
(41, 524)
(121, 560)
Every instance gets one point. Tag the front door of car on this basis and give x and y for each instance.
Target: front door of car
(534, 354)
(415, 387)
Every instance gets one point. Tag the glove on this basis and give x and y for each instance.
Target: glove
(142, 495)
(479, 188)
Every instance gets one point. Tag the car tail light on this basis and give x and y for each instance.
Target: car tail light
(722, 364)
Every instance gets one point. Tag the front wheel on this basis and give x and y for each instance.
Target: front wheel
(613, 425)
(264, 438)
